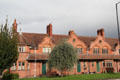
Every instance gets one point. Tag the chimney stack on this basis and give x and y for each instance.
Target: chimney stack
(15, 26)
(100, 32)
(49, 30)
(71, 32)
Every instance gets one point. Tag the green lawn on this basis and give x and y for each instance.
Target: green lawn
(80, 77)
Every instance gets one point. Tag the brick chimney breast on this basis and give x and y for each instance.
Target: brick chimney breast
(49, 30)
(15, 25)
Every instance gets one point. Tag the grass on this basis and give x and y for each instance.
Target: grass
(80, 77)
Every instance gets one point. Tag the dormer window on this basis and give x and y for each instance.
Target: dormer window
(96, 51)
(104, 51)
(21, 49)
(46, 50)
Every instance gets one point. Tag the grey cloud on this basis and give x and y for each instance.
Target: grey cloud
(83, 16)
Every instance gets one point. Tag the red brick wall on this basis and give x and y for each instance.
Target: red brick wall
(77, 43)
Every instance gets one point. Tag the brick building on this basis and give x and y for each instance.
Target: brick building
(95, 54)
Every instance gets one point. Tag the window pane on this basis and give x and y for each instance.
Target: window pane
(96, 50)
(43, 50)
(19, 66)
(49, 50)
(79, 50)
(46, 50)
(105, 51)
(23, 49)
(23, 65)
(28, 66)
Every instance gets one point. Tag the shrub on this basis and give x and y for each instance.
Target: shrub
(63, 57)
(110, 70)
(9, 76)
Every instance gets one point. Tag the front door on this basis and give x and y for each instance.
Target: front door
(98, 67)
(78, 67)
(43, 68)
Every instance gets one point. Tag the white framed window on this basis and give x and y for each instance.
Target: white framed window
(84, 65)
(49, 50)
(109, 64)
(79, 50)
(96, 51)
(46, 50)
(21, 66)
(28, 66)
(21, 49)
(103, 64)
(13, 67)
(104, 51)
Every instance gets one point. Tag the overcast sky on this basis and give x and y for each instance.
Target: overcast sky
(82, 16)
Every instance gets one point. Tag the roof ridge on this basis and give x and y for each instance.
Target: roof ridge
(66, 35)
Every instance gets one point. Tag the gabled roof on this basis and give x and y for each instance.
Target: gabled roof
(87, 40)
(112, 42)
(33, 39)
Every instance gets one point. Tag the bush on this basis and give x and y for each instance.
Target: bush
(9, 76)
(110, 70)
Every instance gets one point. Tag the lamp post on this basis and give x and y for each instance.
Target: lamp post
(35, 62)
(117, 22)
(118, 29)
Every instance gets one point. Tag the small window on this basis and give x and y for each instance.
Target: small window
(92, 64)
(79, 50)
(100, 41)
(109, 64)
(74, 40)
(84, 65)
